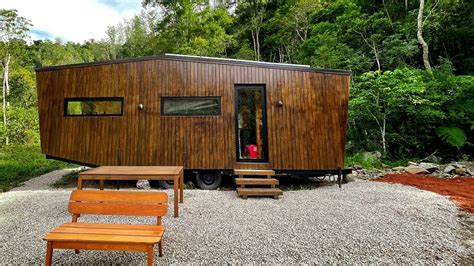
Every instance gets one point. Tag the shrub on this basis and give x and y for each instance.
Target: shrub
(18, 163)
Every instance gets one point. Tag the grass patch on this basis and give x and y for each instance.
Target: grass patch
(67, 181)
(367, 162)
(371, 162)
(19, 163)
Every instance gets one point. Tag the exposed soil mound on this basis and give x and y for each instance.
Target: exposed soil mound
(460, 189)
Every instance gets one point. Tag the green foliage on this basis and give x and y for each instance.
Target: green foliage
(12, 26)
(23, 87)
(359, 159)
(454, 136)
(18, 163)
(398, 104)
(50, 53)
(23, 125)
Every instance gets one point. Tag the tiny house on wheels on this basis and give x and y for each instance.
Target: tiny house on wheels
(210, 115)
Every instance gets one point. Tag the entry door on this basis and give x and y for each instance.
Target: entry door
(251, 123)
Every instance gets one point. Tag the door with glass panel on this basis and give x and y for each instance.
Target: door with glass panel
(251, 123)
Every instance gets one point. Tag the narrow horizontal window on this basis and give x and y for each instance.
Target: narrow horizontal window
(111, 106)
(190, 106)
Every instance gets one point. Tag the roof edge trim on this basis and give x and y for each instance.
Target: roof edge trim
(203, 59)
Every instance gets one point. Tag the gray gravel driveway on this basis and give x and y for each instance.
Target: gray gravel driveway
(364, 222)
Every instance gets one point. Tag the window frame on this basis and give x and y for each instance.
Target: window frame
(97, 99)
(163, 98)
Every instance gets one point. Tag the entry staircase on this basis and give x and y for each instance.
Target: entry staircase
(259, 186)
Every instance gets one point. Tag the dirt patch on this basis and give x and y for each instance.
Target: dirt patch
(460, 189)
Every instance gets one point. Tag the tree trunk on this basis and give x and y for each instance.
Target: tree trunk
(384, 141)
(388, 14)
(4, 105)
(257, 41)
(372, 46)
(419, 35)
(6, 78)
(5, 93)
(376, 56)
(256, 22)
(281, 54)
(254, 45)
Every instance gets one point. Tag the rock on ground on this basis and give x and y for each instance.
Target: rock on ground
(364, 222)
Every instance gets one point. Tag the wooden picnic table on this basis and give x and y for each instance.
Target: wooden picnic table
(173, 173)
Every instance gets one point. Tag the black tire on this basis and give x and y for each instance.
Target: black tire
(208, 180)
(166, 184)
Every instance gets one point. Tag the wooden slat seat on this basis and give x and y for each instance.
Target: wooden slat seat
(101, 232)
(107, 231)
(101, 236)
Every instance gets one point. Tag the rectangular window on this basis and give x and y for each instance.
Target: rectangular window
(104, 106)
(190, 106)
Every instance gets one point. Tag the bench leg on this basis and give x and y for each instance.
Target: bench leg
(101, 184)
(49, 254)
(160, 248)
(181, 185)
(150, 255)
(76, 251)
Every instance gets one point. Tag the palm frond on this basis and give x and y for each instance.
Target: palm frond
(454, 136)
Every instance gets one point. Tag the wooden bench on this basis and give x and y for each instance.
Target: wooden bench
(119, 237)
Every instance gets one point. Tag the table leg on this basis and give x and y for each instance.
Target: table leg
(181, 185)
(175, 186)
(101, 184)
(79, 183)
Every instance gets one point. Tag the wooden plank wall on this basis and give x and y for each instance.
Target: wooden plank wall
(308, 132)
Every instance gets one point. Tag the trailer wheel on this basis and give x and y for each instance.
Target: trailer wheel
(208, 180)
(166, 184)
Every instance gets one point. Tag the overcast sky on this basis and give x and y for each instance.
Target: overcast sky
(72, 20)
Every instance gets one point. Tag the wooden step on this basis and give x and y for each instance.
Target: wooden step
(259, 192)
(256, 181)
(253, 172)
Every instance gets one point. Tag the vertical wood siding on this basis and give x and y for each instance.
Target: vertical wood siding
(307, 133)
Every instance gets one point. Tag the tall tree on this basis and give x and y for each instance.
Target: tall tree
(191, 27)
(254, 11)
(12, 27)
(292, 24)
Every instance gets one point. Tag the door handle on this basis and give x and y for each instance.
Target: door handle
(140, 107)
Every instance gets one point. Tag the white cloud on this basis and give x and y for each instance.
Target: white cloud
(72, 20)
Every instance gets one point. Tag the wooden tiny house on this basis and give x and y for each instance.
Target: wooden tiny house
(208, 114)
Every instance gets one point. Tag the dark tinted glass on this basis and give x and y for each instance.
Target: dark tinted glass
(190, 106)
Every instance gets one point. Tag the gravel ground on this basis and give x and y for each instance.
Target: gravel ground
(364, 222)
